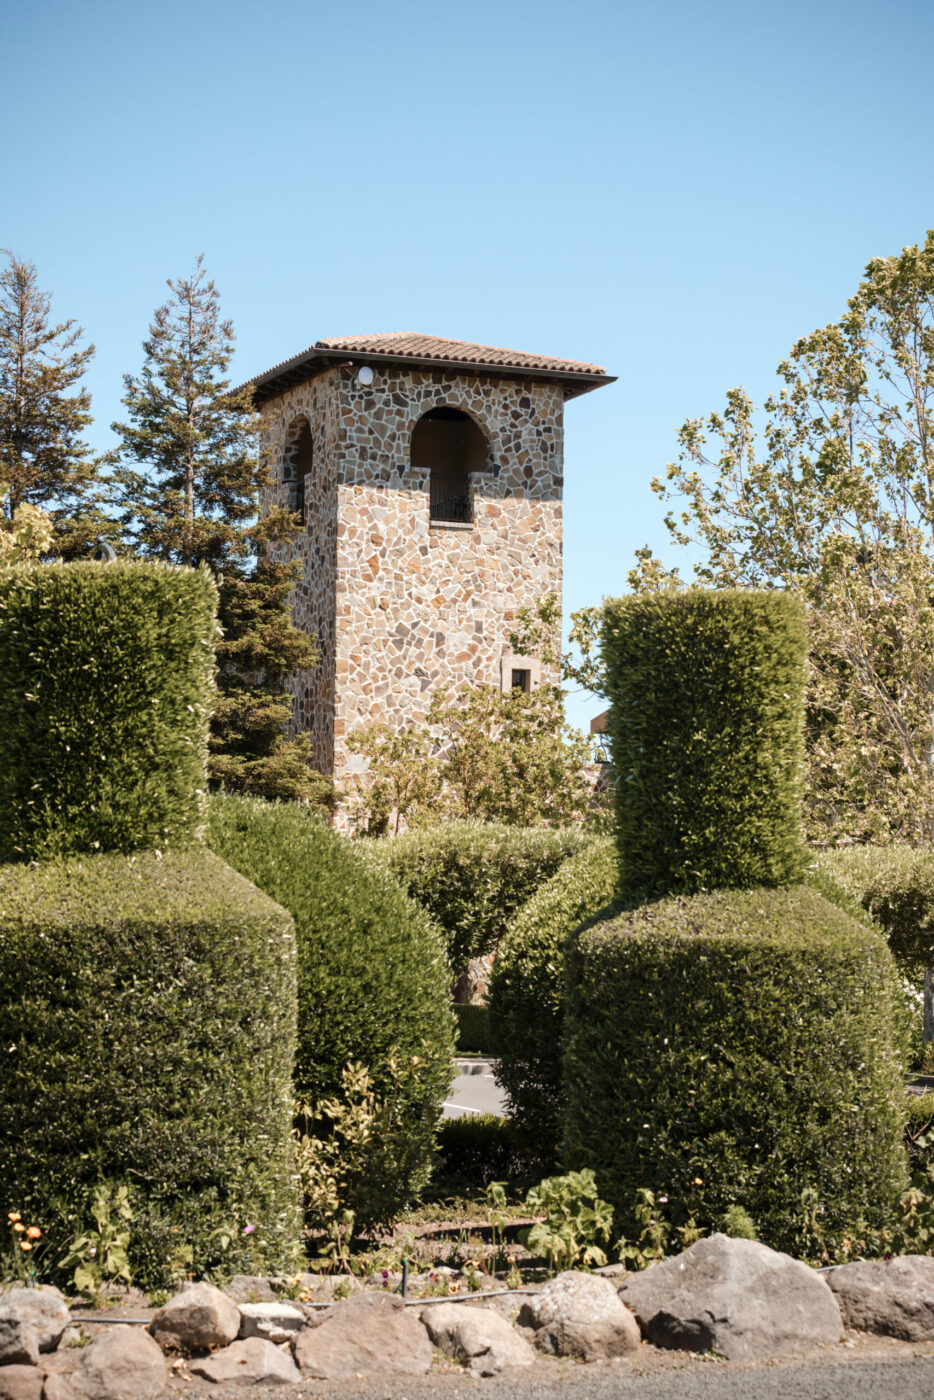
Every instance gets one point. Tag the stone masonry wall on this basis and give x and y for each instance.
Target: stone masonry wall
(402, 604)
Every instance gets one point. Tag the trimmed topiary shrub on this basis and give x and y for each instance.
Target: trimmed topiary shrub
(707, 734)
(106, 685)
(739, 1047)
(373, 984)
(481, 1148)
(895, 884)
(474, 1036)
(472, 877)
(147, 1016)
(527, 989)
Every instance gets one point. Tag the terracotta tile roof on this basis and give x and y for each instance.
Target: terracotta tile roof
(430, 351)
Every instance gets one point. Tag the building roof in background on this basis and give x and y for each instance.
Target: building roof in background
(428, 352)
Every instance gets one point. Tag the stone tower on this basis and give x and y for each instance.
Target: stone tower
(428, 474)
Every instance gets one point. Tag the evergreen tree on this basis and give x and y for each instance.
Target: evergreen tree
(44, 463)
(187, 488)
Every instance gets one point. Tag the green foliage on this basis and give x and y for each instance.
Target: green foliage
(101, 1254)
(575, 1219)
(373, 985)
(479, 1149)
(105, 690)
(187, 488)
(743, 1046)
(828, 492)
(474, 1036)
(472, 876)
(739, 1224)
(895, 885)
(147, 1014)
(526, 1002)
(707, 738)
(44, 464)
(655, 1238)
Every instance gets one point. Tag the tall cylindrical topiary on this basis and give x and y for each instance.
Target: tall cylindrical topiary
(147, 992)
(707, 733)
(730, 1036)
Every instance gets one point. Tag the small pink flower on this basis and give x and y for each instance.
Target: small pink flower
(248, 1229)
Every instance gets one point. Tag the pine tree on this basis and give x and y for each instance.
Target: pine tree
(187, 488)
(44, 463)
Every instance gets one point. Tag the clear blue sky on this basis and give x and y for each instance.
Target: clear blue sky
(676, 191)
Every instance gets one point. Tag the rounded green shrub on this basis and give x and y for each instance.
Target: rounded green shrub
(472, 877)
(895, 885)
(527, 988)
(707, 733)
(739, 1048)
(106, 686)
(147, 1016)
(373, 984)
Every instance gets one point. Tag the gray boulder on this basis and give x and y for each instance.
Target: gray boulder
(43, 1310)
(199, 1317)
(124, 1363)
(368, 1334)
(580, 1315)
(275, 1322)
(20, 1383)
(891, 1296)
(480, 1337)
(18, 1344)
(254, 1361)
(56, 1387)
(737, 1297)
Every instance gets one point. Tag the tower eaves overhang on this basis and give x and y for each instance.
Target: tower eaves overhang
(412, 351)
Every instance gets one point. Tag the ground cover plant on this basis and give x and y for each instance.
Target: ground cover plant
(373, 987)
(744, 1042)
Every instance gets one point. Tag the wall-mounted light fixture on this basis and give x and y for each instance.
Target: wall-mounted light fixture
(364, 376)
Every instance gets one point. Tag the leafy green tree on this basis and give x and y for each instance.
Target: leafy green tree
(831, 491)
(44, 462)
(187, 490)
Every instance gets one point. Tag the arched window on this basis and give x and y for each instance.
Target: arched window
(452, 445)
(298, 463)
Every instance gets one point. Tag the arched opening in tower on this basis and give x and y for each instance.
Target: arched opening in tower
(301, 459)
(452, 445)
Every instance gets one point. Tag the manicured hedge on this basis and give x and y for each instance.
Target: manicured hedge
(478, 1149)
(527, 988)
(706, 728)
(106, 685)
(738, 1047)
(147, 1017)
(373, 982)
(472, 877)
(895, 884)
(474, 1036)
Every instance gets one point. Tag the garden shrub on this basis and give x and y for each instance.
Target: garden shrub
(373, 985)
(106, 685)
(474, 1036)
(742, 1048)
(473, 876)
(481, 1148)
(707, 734)
(147, 1016)
(895, 885)
(527, 988)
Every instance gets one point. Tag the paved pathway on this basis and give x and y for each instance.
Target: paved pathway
(474, 1090)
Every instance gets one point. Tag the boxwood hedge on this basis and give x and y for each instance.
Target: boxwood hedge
(739, 1047)
(895, 884)
(106, 685)
(147, 1016)
(707, 729)
(373, 983)
(527, 988)
(472, 877)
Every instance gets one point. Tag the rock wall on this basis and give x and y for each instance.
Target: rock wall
(402, 604)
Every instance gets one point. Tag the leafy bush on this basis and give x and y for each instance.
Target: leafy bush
(373, 985)
(527, 988)
(743, 1048)
(895, 885)
(479, 1149)
(706, 727)
(472, 877)
(474, 1036)
(147, 1016)
(575, 1219)
(106, 685)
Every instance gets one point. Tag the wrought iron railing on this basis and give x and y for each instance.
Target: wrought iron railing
(455, 509)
